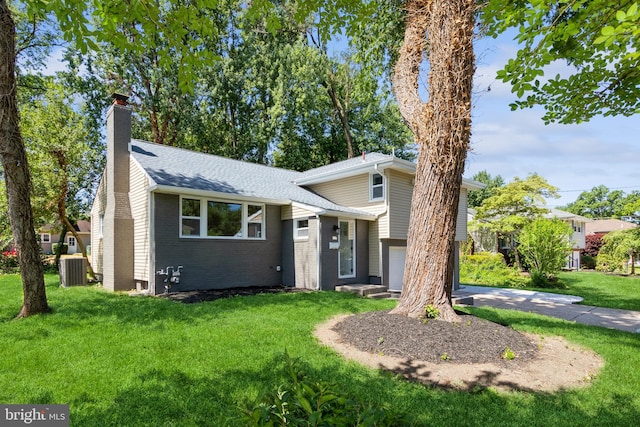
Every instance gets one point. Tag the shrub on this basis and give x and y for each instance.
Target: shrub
(489, 269)
(9, 262)
(63, 251)
(301, 401)
(544, 244)
(588, 262)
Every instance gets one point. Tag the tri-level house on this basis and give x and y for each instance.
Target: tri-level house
(166, 218)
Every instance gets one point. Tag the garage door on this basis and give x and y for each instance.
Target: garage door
(397, 255)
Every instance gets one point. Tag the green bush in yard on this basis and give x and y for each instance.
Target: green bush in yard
(300, 400)
(489, 269)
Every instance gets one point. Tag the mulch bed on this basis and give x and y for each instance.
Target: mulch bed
(473, 340)
(191, 297)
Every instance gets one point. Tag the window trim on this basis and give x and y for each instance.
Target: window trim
(372, 186)
(42, 240)
(297, 228)
(203, 218)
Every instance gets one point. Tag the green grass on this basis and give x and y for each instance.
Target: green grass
(597, 289)
(135, 361)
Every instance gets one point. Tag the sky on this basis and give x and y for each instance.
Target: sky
(574, 158)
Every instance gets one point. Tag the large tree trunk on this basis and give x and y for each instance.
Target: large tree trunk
(16, 174)
(442, 128)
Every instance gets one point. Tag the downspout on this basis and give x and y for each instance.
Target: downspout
(152, 241)
(318, 247)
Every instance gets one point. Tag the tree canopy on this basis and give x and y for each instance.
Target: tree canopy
(601, 202)
(513, 206)
(597, 40)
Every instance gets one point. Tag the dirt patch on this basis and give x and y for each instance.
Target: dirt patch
(468, 355)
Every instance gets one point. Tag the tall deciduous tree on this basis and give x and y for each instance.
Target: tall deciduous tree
(441, 30)
(513, 206)
(620, 247)
(61, 158)
(599, 202)
(16, 174)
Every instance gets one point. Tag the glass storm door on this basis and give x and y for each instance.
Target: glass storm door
(346, 257)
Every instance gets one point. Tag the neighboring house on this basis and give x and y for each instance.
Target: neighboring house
(49, 236)
(488, 241)
(604, 226)
(229, 223)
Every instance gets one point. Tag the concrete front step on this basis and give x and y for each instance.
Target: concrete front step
(362, 290)
(380, 295)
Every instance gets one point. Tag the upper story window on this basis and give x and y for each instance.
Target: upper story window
(377, 187)
(221, 219)
(301, 230)
(45, 237)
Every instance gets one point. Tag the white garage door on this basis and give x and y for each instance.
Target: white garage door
(397, 255)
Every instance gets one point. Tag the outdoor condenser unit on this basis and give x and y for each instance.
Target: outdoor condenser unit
(73, 271)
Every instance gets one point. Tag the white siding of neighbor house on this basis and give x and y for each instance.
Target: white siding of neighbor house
(352, 192)
(97, 210)
(461, 221)
(138, 199)
(400, 193)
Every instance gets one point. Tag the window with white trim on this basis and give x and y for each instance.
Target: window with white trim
(212, 218)
(377, 187)
(301, 230)
(45, 238)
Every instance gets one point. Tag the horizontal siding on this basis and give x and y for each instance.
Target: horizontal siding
(97, 211)
(400, 193)
(351, 192)
(291, 212)
(461, 221)
(138, 199)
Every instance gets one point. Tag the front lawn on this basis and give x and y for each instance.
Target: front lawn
(135, 361)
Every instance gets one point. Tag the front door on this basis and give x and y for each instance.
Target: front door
(346, 258)
(71, 243)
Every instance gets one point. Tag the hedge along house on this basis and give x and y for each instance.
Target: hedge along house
(228, 223)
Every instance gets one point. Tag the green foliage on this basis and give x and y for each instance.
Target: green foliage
(431, 312)
(620, 251)
(476, 197)
(515, 204)
(508, 354)
(300, 400)
(489, 269)
(545, 244)
(63, 250)
(597, 39)
(599, 202)
(588, 262)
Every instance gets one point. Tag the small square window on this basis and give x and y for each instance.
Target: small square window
(302, 229)
(45, 238)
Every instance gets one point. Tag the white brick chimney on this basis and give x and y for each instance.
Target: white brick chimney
(117, 269)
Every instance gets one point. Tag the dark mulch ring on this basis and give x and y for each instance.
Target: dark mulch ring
(473, 340)
(191, 297)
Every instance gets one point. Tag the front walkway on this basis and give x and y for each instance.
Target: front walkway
(554, 305)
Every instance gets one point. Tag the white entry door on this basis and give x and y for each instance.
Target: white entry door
(397, 255)
(347, 249)
(71, 242)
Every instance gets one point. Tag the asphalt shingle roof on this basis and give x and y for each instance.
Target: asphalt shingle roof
(180, 168)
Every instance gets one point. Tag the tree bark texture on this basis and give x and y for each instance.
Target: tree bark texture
(16, 174)
(442, 128)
